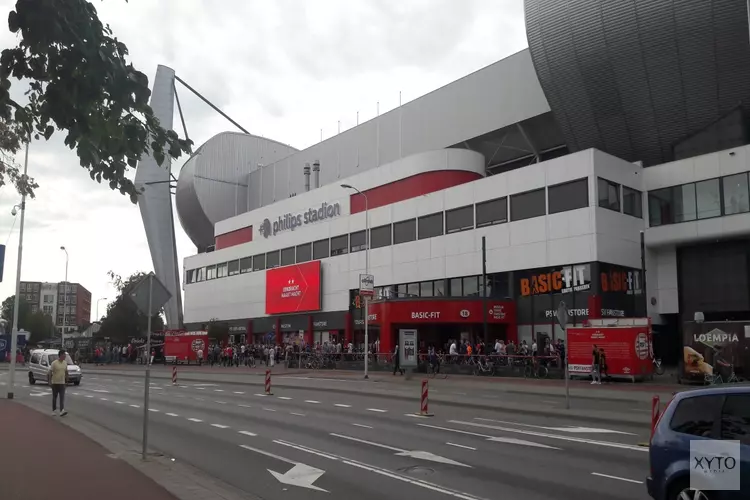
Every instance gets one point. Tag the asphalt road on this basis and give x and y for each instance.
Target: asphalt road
(305, 443)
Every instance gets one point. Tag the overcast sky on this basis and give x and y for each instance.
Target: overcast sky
(283, 69)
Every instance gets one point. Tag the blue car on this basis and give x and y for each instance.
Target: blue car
(716, 413)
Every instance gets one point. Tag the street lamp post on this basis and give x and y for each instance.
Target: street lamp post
(17, 301)
(65, 299)
(367, 271)
(98, 318)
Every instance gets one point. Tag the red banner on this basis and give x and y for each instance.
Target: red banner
(442, 311)
(626, 349)
(293, 289)
(185, 345)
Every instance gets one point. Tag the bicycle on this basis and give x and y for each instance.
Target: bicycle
(433, 373)
(484, 366)
(535, 370)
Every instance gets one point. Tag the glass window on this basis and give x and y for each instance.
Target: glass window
(708, 198)
(696, 415)
(456, 288)
(404, 231)
(259, 262)
(439, 288)
(568, 196)
(609, 194)
(287, 256)
(683, 203)
(321, 249)
(273, 259)
(492, 212)
(340, 245)
(412, 290)
(735, 194)
(380, 236)
(471, 286)
(234, 267)
(425, 289)
(190, 278)
(210, 272)
(735, 418)
(430, 226)
(459, 219)
(527, 205)
(357, 241)
(401, 291)
(246, 264)
(631, 202)
(221, 270)
(201, 274)
(304, 252)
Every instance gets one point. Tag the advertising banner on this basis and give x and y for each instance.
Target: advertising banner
(293, 289)
(184, 346)
(408, 347)
(715, 348)
(566, 279)
(627, 349)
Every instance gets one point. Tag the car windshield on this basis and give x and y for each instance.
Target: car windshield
(53, 357)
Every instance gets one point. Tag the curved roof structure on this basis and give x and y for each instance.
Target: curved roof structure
(635, 78)
(213, 183)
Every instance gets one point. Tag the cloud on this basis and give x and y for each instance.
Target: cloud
(282, 69)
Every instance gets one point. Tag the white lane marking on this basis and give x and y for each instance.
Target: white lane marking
(238, 392)
(298, 414)
(244, 406)
(134, 406)
(363, 441)
(100, 390)
(377, 410)
(268, 454)
(555, 436)
(199, 399)
(204, 385)
(415, 415)
(261, 395)
(362, 425)
(423, 455)
(119, 402)
(618, 478)
(195, 420)
(461, 446)
(312, 401)
(158, 388)
(75, 393)
(493, 438)
(269, 409)
(89, 396)
(548, 402)
(372, 468)
(284, 398)
(218, 390)
(153, 410)
(104, 399)
(342, 406)
(201, 388)
(220, 402)
(571, 429)
(219, 426)
(172, 414)
(247, 433)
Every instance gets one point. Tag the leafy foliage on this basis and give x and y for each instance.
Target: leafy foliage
(24, 311)
(10, 144)
(40, 325)
(123, 319)
(80, 82)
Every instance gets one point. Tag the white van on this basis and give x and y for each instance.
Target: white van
(39, 366)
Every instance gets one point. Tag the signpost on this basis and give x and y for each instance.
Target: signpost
(367, 290)
(562, 319)
(149, 295)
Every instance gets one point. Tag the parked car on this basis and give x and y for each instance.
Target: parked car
(718, 413)
(39, 366)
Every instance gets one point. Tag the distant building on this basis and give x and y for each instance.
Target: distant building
(51, 299)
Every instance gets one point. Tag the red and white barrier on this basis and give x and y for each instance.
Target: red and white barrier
(655, 409)
(424, 409)
(174, 375)
(268, 383)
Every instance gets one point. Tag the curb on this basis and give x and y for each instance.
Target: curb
(437, 399)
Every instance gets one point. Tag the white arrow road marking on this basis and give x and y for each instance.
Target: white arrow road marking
(571, 429)
(555, 436)
(492, 438)
(300, 475)
(422, 455)
(377, 470)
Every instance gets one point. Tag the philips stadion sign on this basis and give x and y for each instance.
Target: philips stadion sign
(289, 222)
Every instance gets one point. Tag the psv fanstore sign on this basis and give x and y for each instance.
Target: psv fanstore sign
(293, 289)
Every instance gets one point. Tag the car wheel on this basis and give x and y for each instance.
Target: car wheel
(31, 379)
(682, 491)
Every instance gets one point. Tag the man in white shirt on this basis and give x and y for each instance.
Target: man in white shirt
(58, 374)
(452, 351)
(200, 357)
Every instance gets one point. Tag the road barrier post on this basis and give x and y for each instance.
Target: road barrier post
(268, 383)
(174, 375)
(655, 409)
(424, 403)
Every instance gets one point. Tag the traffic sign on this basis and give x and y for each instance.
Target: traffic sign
(140, 294)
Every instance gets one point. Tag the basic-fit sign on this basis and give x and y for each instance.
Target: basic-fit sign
(294, 288)
(290, 222)
(563, 280)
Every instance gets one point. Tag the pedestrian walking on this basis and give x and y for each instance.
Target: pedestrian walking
(58, 374)
(397, 362)
(596, 377)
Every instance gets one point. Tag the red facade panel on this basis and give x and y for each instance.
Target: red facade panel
(233, 238)
(411, 187)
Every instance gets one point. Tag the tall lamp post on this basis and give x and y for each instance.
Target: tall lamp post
(65, 299)
(98, 318)
(16, 302)
(367, 271)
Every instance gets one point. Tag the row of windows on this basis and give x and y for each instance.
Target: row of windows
(467, 286)
(619, 198)
(699, 200)
(31, 287)
(560, 198)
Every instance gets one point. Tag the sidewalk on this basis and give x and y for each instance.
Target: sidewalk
(48, 459)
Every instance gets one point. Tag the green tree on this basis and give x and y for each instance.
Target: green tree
(40, 326)
(217, 330)
(24, 311)
(123, 319)
(80, 82)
